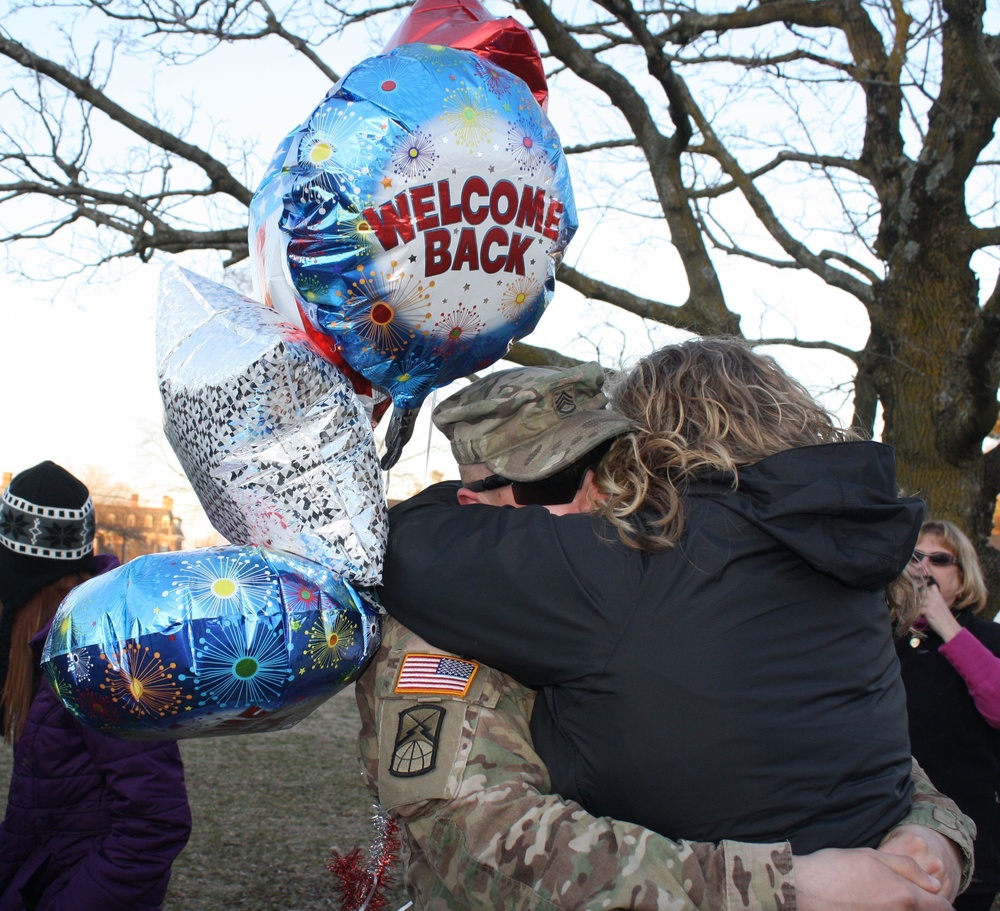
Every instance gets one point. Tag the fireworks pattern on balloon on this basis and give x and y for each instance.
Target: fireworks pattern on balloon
(138, 678)
(231, 669)
(330, 640)
(414, 157)
(299, 595)
(519, 297)
(357, 233)
(496, 79)
(413, 370)
(94, 706)
(78, 664)
(388, 311)
(219, 584)
(525, 143)
(331, 129)
(469, 116)
(64, 689)
(380, 83)
(456, 330)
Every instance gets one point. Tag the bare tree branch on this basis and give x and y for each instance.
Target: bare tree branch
(820, 345)
(981, 54)
(221, 179)
(534, 356)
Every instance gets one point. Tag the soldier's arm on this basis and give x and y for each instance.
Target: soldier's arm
(479, 831)
(483, 832)
(950, 861)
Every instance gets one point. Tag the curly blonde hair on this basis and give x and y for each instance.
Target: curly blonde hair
(708, 404)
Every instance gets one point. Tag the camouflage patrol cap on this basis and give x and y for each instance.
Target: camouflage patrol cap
(528, 423)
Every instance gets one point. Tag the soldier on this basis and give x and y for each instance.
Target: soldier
(446, 746)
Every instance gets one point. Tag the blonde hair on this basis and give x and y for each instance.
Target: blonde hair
(904, 595)
(32, 616)
(709, 404)
(972, 592)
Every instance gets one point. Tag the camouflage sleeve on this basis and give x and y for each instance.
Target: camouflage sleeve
(455, 765)
(932, 809)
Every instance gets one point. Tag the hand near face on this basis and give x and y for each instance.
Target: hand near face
(937, 613)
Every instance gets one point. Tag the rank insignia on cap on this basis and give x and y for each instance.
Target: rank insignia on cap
(435, 675)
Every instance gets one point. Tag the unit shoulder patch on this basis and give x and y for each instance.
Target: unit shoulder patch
(417, 738)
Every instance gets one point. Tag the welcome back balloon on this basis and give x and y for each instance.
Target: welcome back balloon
(417, 217)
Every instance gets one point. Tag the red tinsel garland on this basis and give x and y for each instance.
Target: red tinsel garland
(360, 879)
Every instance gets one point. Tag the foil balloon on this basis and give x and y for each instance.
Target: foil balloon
(467, 25)
(224, 640)
(416, 219)
(271, 435)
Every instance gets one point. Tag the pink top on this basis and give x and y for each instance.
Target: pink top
(980, 669)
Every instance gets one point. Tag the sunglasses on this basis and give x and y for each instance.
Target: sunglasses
(549, 492)
(492, 482)
(937, 559)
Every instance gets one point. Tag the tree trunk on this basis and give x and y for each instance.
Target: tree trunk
(920, 321)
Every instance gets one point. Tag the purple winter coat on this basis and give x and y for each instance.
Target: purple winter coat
(93, 823)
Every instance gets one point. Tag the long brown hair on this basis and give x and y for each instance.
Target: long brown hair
(22, 669)
(708, 404)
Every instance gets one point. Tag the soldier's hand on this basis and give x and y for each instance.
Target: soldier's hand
(936, 854)
(864, 880)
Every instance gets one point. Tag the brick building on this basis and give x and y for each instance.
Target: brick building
(129, 530)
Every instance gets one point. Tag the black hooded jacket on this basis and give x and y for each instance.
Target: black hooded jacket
(742, 685)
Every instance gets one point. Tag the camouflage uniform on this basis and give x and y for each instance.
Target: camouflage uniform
(448, 751)
(452, 760)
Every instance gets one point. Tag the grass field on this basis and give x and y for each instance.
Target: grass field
(268, 809)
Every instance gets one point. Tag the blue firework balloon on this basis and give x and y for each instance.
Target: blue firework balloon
(416, 218)
(224, 640)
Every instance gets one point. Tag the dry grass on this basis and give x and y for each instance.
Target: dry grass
(268, 809)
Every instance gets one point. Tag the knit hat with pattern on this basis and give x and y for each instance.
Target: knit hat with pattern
(46, 532)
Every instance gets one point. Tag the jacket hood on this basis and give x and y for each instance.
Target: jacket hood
(834, 505)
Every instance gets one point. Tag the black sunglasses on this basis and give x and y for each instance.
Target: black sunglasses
(547, 492)
(937, 559)
(491, 482)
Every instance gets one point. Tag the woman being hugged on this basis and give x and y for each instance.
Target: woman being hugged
(711, 646)
(951, 669)
(93, 823)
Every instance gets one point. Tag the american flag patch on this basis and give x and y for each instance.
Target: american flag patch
(435, 674)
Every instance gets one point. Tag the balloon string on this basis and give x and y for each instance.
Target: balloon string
(371, 892)
(427, 451)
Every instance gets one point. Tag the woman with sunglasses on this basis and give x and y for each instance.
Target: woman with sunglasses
(951, 670)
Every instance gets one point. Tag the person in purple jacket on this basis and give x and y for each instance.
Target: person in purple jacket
(93, 823)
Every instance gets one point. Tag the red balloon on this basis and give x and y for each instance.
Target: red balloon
(466, 25)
